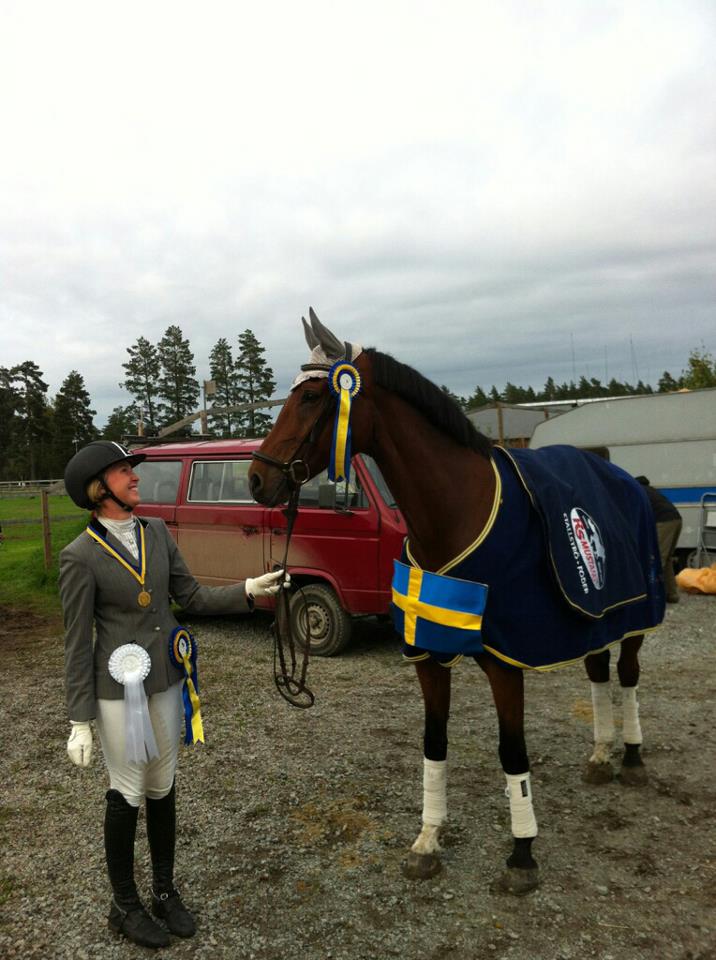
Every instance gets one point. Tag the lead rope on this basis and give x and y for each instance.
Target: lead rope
(291, 688)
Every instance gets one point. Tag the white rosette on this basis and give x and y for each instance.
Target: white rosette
(130, 665)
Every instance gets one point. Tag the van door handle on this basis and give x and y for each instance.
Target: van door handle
(278, 532)
(250, 531)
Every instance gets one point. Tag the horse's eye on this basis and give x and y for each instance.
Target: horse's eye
(309, 397)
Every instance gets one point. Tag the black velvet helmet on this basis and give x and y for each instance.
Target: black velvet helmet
(90, 462)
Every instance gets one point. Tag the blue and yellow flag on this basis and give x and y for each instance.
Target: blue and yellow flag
(436, 612)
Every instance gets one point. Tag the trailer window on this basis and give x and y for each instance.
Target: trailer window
(158, 480)
(220, 481)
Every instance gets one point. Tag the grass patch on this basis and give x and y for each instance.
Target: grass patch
(30, 508)
(24, 581)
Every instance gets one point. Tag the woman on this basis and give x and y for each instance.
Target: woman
(118, 576)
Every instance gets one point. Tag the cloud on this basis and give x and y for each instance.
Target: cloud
(489, 192)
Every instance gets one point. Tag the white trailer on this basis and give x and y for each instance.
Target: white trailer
(668, 437)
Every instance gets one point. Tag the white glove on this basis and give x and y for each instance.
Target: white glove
(79, 745)
(267, 585)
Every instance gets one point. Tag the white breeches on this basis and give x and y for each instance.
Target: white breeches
(154, 779)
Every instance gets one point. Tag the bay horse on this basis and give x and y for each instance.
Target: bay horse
(457, 491)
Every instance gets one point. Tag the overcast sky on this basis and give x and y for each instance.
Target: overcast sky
(486, 190)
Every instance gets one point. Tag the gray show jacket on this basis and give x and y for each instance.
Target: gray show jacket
(96, 589)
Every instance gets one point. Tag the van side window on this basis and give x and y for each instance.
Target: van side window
(220, 481)
(158, 480)
(321, 492)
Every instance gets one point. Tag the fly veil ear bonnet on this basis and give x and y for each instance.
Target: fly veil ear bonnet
(325, 349)
(333, 359)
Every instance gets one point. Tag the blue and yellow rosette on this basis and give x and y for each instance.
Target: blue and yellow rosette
(183, 653)
(344, 383)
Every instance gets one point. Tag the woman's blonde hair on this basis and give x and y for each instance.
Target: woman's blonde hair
(95, 490)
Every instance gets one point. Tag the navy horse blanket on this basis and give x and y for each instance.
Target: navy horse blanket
(567, 565)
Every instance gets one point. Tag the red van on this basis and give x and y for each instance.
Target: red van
(344, 540)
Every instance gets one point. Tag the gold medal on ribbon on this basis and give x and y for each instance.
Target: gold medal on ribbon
(144, 598)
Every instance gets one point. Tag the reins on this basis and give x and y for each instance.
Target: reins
(291, 686)
(289, 676)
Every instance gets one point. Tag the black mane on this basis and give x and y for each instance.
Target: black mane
(435, 405)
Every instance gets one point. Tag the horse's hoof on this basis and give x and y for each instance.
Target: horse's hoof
(516, 881)
(421, 866)
(633, 776)
(597, 773)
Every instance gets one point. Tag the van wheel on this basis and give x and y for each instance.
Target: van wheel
(329, 623)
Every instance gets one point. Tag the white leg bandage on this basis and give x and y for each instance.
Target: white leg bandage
(631, 728)
(603, 713)
(519, 793)
(434, 792)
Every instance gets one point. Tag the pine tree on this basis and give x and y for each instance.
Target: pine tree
(667, 384)
(9, 424)
(122, 422)
(73, 421)
(178, 386)
(32, 447)
(223, 373)
(141, 381)
(254, 382)
(478, 399)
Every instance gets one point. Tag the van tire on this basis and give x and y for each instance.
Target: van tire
(330, 624)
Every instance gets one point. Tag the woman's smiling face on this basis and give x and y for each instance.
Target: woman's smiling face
(123, 482)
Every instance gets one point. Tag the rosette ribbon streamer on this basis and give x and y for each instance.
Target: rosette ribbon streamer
(130, 665)
(344, 383)
(183, 653)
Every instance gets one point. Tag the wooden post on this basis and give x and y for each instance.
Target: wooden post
(46, 538)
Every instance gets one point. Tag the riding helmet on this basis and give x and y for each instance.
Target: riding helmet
(90, 462)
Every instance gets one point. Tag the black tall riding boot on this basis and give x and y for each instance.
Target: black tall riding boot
(126, 915)
(161, 833)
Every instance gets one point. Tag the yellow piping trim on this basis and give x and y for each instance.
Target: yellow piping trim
(496, 502)
(140, 576)
(566, 663)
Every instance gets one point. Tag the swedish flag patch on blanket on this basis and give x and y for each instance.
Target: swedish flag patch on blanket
(436, 612)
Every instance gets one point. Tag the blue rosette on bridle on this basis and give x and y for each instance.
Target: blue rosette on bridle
(183, 654)
(344, 383)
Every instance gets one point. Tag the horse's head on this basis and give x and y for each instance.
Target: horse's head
(300, 444)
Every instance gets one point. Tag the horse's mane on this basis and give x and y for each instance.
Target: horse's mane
(435, 405)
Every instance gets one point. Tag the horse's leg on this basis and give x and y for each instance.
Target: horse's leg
(599, 769)
(633, 772)
(521, 874)
(423, 858)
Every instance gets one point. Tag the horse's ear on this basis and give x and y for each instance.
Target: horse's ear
(311, 338)
(332, 346)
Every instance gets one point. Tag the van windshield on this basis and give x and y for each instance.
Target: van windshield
(379, 480)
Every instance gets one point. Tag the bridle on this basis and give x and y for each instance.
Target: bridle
(290, 679)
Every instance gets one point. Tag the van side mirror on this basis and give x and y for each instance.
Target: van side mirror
(327, 496)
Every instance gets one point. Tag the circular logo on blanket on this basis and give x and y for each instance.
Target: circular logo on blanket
(590, 545)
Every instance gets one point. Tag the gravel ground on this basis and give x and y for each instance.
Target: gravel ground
(294, 824)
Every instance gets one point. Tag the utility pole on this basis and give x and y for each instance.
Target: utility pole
(209, 390)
